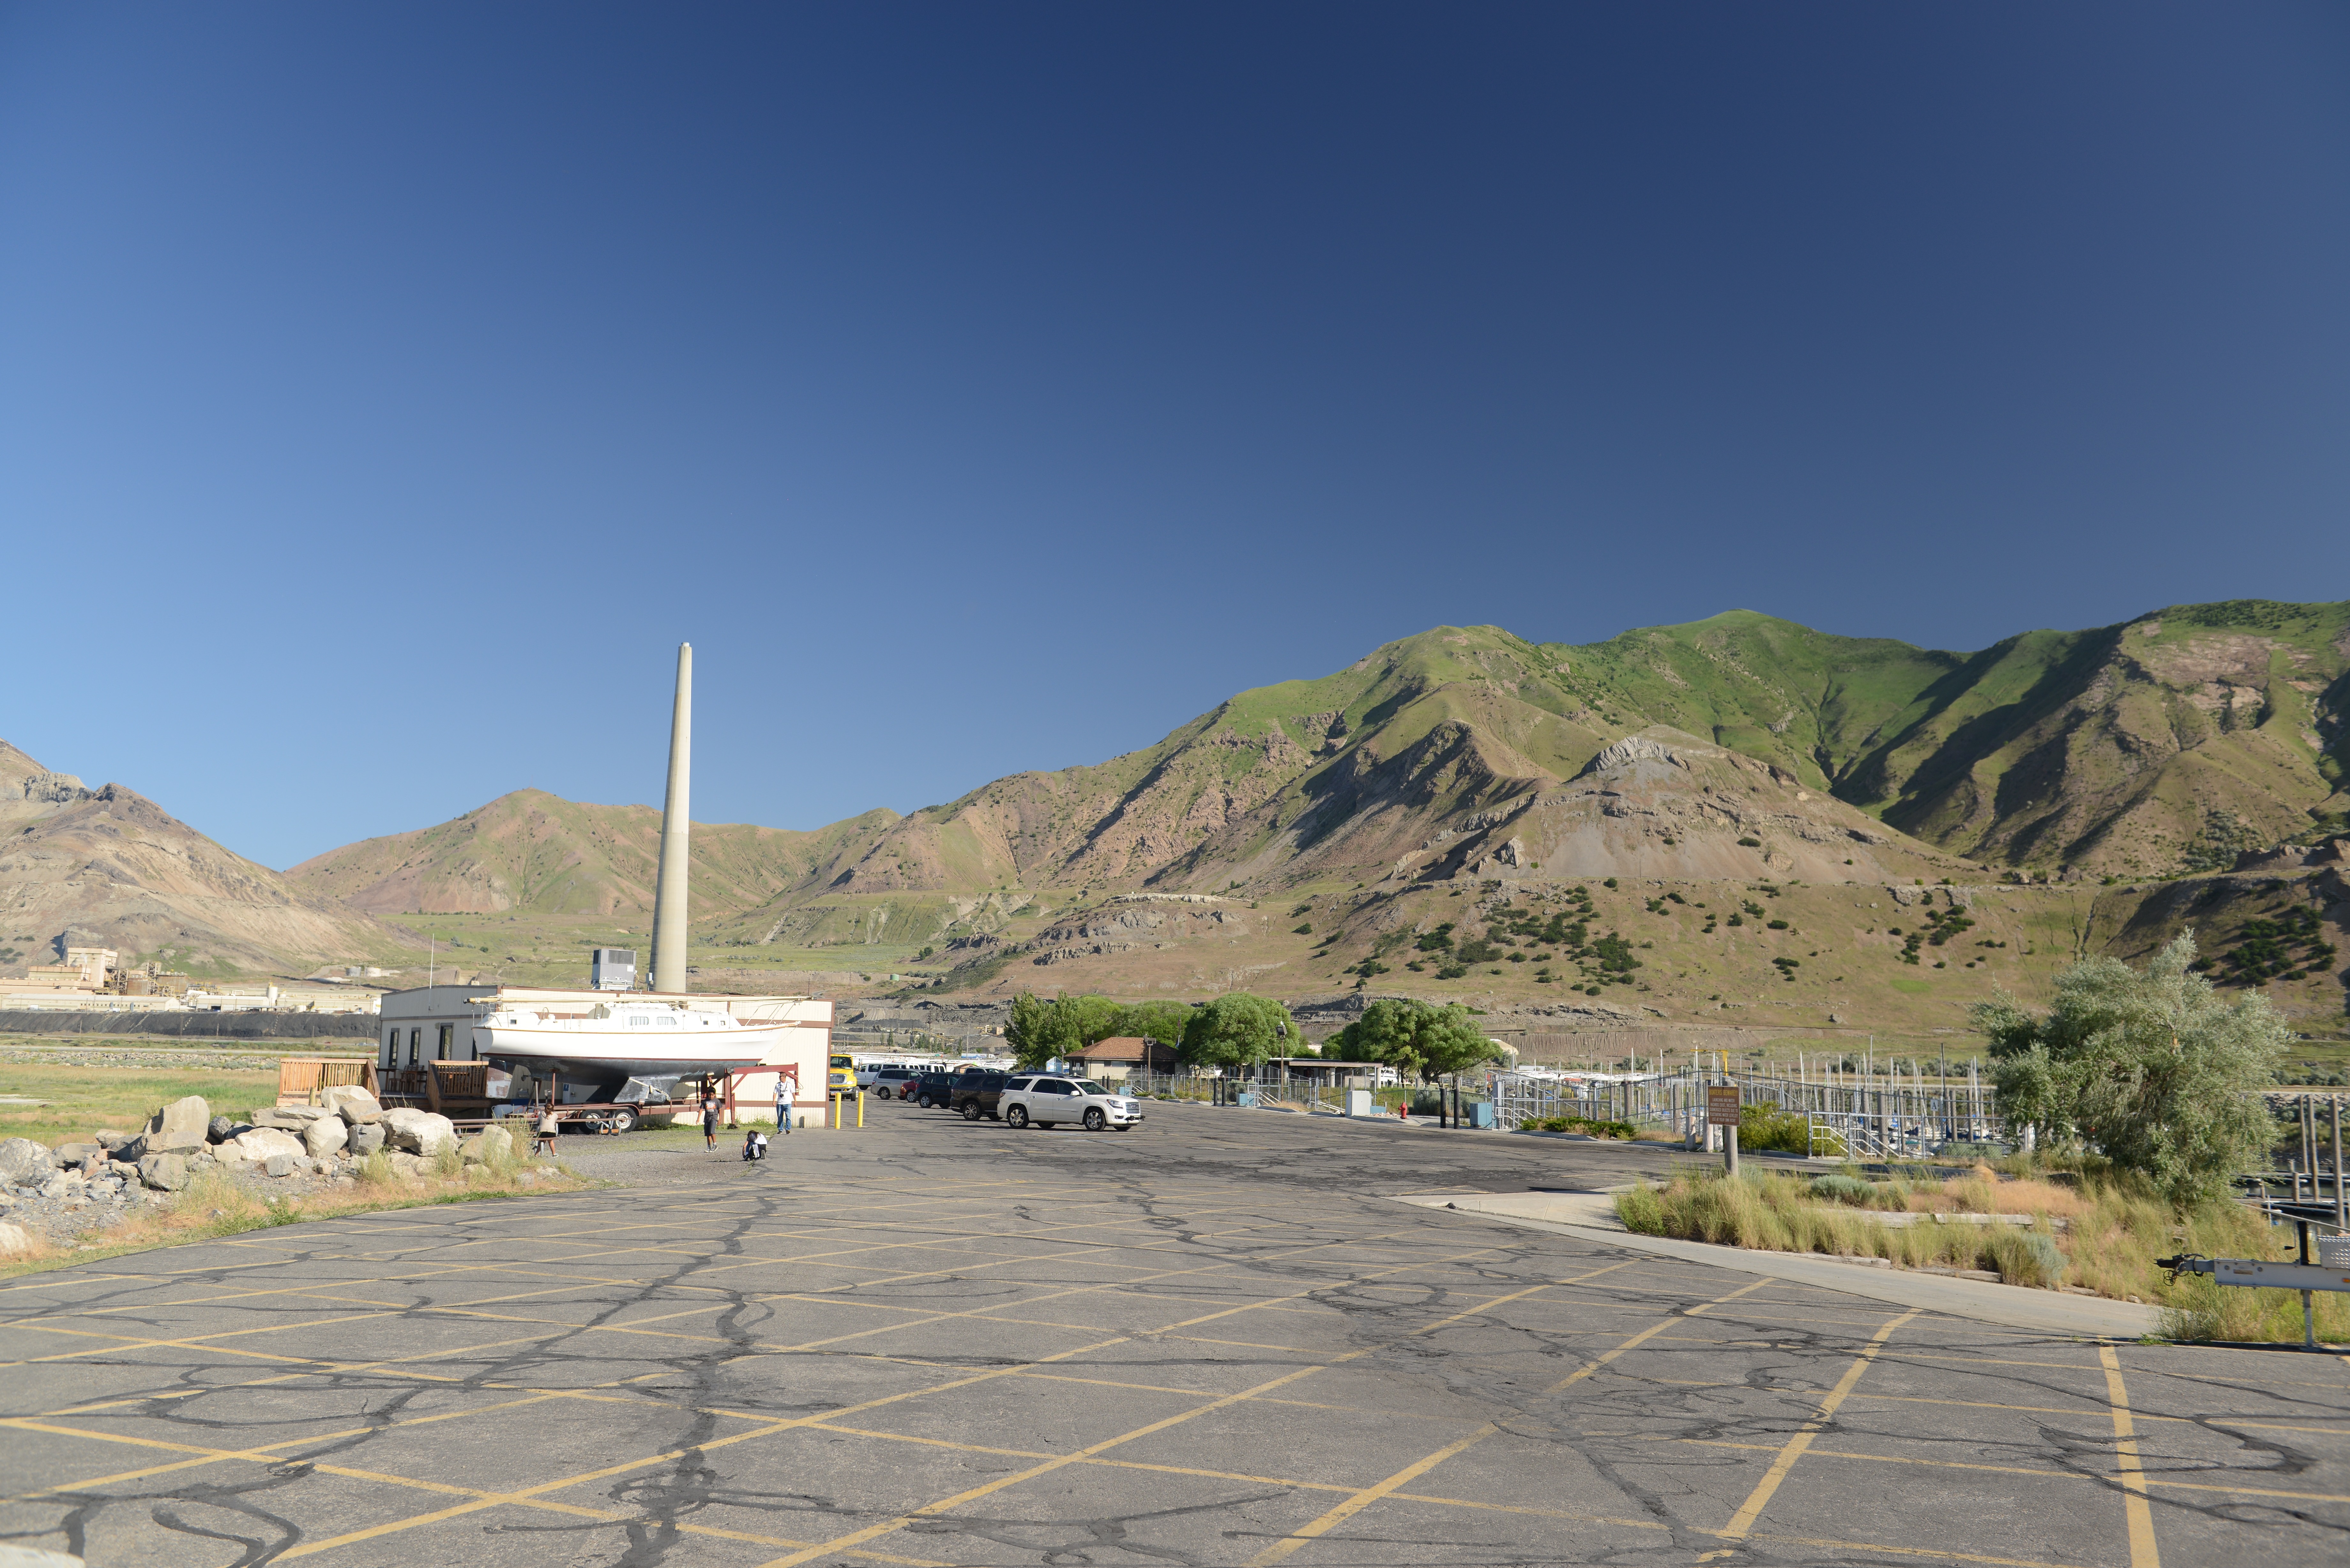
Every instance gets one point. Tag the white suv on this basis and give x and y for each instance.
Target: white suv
(1047, 1100)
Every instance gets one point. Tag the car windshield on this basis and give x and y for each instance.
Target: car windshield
(1086, 1086)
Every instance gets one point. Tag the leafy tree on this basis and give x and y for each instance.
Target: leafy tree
(1236, 1028)
(1038, 1031)
(2153, 1067)
(1161, 1020)
(1417, 1038)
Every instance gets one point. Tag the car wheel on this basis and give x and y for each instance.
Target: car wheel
(970, 1111)
(1017, 1116)
(1094, 1120)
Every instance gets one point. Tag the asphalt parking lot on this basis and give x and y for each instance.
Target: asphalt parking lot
(1213, 1340)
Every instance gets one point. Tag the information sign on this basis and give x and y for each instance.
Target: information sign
(1721, 1104)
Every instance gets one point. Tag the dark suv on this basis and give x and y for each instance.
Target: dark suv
(934, 1090)
(975, 1093)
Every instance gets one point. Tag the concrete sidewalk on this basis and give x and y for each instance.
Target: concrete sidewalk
(1592, 1215)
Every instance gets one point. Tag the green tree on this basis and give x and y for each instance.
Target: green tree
(2152, 1067)
(1161, 1020)
(1035, 1031)
(1417, 1038)
(1236, 1028)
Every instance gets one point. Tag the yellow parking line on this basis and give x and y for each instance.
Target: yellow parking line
(1743, 1520)
(2135, 1508)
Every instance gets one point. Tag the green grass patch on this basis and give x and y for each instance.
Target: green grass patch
(82, 1100)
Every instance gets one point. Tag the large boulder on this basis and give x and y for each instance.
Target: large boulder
(80, 1154)
(22, 1160)
(14, 1241)
(164, 1172)
(365, 1139)
(352, 1102)
(491, 1145)
(418, 1132)
(221, 1129)
(181, 1127)
(262, 1142)
(326, 1135)
(288, 1118)
(278, 1165)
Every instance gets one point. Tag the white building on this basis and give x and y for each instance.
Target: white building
(435, 1023)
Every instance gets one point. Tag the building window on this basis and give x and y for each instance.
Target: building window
(415, 1039)
(448, 1033)
(391, 1047)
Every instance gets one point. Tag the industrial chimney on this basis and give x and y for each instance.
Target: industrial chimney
(669, 896)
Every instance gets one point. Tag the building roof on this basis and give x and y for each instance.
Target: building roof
(1119, 1048)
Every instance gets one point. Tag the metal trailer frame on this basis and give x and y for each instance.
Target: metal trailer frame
(2308, 1276)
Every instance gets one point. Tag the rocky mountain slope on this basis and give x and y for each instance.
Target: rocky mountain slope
(533, 850)
(2125, 750)
(2177, 737)
(110, 867)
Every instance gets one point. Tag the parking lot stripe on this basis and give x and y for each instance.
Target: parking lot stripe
(1743, 1520)
(2135, 1508)
(1371, 1494)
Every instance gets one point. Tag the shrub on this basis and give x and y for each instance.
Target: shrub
(1641, 1211)
(1751, 843)
(1768, 1127)
(2153, 1067)
(1841, 1188)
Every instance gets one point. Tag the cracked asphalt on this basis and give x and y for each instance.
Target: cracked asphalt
(1213, 1340)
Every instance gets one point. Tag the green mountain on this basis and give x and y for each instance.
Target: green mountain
(2130, 750)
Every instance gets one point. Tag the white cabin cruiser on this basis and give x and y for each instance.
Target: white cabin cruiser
(630, 1036)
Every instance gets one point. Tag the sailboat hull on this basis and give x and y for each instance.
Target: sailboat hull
(616, 1054)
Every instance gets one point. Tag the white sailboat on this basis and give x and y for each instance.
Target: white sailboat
(630, 1036)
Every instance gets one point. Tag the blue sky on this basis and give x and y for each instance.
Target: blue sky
(385, 390)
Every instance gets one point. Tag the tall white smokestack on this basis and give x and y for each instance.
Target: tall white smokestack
(669, 896)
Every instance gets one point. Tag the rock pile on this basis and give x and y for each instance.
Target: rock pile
(100, 1181)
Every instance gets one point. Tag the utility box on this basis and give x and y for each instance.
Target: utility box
(1481, 1113)
(612, 969)
(1359, 1102)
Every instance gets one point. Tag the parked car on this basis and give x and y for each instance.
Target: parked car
(894, 1083)
(935, 1090)
(976, 1094)
(1048, 1101)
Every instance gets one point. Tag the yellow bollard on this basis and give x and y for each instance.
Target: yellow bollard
(835, 1113)
(860, 1110)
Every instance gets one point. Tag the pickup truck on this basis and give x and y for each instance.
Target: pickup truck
(977, 1093)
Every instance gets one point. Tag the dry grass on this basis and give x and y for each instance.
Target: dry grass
(213, 1205)
(2115, 1228)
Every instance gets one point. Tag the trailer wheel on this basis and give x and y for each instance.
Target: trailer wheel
(624, 1120)
(593, 1122)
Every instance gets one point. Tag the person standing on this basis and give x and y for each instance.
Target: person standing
(710, 1125)
(785, 1093)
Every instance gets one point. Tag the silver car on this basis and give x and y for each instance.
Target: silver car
(1045, 1101)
